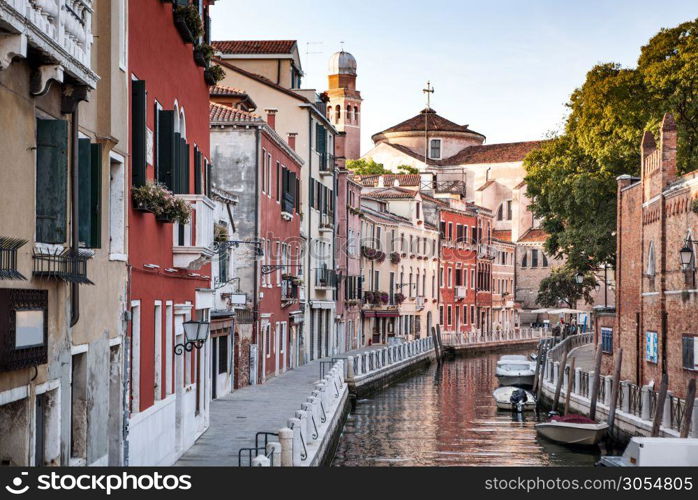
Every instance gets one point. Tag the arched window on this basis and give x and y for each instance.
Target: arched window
(504, 212)
(524, 259)
(356, 114)
(348, 118)
(329, 113)
(545, 259)
(338, 115)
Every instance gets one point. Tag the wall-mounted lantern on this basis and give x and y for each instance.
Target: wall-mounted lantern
(195, 335)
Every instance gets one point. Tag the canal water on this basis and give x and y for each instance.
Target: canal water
(446, 416)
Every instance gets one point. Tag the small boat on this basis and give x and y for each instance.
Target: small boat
(515, 370)
(533, 356)
(656, 452)
(514, 399)
(572, 429)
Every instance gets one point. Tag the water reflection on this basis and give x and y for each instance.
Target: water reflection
(446, 416)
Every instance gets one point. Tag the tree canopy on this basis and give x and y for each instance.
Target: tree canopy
(572, 178)
(561, 287)
(367, 167)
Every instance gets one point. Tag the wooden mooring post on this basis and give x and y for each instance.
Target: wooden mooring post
(570, 385)
(436, 339)
(560, 378)
(546, 350)
(536, 377)
(659, 406)
(688, 411)
(596, 382)
(614, 389)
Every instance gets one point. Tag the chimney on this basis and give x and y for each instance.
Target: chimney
(271, 117)
(667, 140)
(292, 140)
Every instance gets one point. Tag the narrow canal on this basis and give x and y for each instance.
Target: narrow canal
(446, 417)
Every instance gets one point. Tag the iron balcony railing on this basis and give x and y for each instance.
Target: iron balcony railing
(325, 277)
(326, 162)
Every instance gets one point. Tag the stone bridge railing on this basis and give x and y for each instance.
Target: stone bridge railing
(479, 338)
(370, 363)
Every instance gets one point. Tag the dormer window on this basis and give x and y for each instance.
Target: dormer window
(435, 149)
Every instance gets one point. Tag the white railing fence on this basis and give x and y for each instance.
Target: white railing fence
(375, 360)
(476, 337)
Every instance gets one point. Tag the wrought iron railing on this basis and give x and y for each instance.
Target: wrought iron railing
(8, 258)
(60, 263)
(325, 277)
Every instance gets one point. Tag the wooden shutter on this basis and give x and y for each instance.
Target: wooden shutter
(185, 166)
(209, 172)
(197, 171)
(311, 190)
(89, 193)
(138, 132)
(166, 148)
(51, 180)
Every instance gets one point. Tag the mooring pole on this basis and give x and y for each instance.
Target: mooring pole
(614, 389)
(688, 411)
(560, 378)
(570, 385)
(595, 383)
(536, 377)
(659, 407)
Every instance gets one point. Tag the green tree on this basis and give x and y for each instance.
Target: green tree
(367, 167)
(407, 169)
(561, 287)
(572, 178)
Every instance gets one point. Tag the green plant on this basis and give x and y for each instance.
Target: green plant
(694, 206)
(191, 17)
(214, 74)
(158, 199)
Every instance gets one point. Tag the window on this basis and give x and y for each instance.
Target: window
(607, 340)
(690, 352)
(279, 177)
(651, 347)
(90, 193)
(545, 259)
(441, 314)
(524, 259)
(534, 257)
(448, 313)
(51, 180)
(418, 210)
(651, 261)
(138, 132)
(450, 280)
(435, 149)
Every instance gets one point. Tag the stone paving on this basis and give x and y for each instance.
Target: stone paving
(237, 417)
(583, 357)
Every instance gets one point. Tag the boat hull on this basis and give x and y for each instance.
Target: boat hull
(515, 379)
(568, 433)
(502, 397)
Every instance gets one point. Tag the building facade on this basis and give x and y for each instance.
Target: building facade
(62, 239)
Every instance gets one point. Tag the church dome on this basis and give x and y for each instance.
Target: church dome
(342, 63)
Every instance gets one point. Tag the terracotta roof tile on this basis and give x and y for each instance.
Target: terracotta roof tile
(436, 123)
(390, 193)
(389, 180)
(502, 234)
(493, 153)
(254, 46)
(220, 114)
(221, 90)
(534, 236)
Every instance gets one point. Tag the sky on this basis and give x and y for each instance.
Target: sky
(504, 67)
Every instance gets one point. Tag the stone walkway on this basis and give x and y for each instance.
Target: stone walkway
(237, 417)
(583, 357)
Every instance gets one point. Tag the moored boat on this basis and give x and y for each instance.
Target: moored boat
(656, 451)
(572, 429)
(514, 399)
(515, 370)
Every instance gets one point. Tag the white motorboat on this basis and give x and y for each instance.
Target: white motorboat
(514, 399)
(515, 370)
(656, 452)
(572, 429)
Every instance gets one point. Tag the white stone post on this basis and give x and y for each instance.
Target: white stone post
(666, 411)
(608, 380)
(306, 422)
(645, 395)
(274, 448)
(261, 461)
(625, 390)
(577, 380)
(286, 441)
(350, 368)
(556, 370)
(295, 425)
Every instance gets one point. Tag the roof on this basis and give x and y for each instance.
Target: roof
(254, 46)
(394, 193)
(501, 234)
(219, 113)
(388, 217)
(226, 91)
(389, 179)
(486, 185)
(493, 153)
(435, 123)
(534, 236)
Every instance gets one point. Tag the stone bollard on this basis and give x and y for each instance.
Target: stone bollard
(274, 449)
(286, 441)
(304, 416)
(666, 413)
(297, 448)
(608, 380)
(556, 370)
(349, 368)
(314, 412)
(645, 395)
(261, 461)
(625, 390)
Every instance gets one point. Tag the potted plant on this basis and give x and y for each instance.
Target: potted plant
(368, 297)
(385, 298)
(213, 74)
(147, 197)
(220, 233)
(380, 256)
(399, 298)
(188, 22)
(203, 53)
(394, 258)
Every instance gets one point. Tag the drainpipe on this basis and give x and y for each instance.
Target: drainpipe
(74, 200)
(310, 239)
(255, 303)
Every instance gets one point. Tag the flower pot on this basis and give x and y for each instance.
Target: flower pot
(141, 207)
(164, 218)
(199, 58)
(181, 25)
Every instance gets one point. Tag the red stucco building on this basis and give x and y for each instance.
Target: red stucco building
(168, 260)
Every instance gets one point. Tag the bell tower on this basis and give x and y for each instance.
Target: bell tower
(344, 105)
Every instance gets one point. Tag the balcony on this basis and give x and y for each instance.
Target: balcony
(419, 303)
(325, 278)
(326, 223)
(460, 292)
(193, 242)
(488, 252)
(289, 292)
(326, 166)
(61, 30)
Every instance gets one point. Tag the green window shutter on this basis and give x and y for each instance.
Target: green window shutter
(138, 132)
(197, 171)
(209, 173)
(298, 194)
(166, 148)
(311, 190)
(186, 189)
(176, 167)
(51, 180)
(89, 193)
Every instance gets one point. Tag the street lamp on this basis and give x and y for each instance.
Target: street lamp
(579, 278)
(195, 334)
(686, 256)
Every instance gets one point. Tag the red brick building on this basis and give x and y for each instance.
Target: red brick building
(169, 269)
(655, 324)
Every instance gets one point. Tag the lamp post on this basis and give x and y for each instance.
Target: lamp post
(195, 334)
(687, 257)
